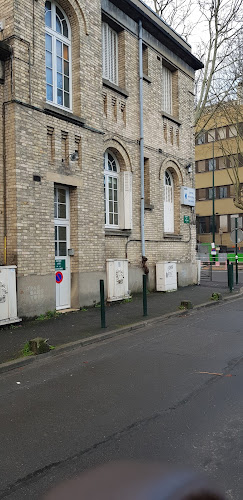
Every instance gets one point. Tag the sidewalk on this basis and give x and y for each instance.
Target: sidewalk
(80, 324)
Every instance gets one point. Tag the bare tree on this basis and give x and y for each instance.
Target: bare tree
(219, 48)
(176, 13)
(219, 52)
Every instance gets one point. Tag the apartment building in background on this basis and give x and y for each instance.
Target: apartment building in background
(219, 146)
(70, 148)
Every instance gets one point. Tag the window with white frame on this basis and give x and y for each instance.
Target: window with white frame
(58, 56)
(117, 194)
(111, 189)
(166, 90)
(110, 53)
(168, 202)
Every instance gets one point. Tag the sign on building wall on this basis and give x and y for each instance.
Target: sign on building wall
(188, 196)
(186, 219)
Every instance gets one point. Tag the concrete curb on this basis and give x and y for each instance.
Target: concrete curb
(20, 362)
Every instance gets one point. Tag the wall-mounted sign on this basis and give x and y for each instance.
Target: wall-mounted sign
(188, 196)
(186, 219)
(60, 264)
(59, 277)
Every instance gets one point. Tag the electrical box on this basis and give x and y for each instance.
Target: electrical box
(166, 276)
(117, 279)
(8, 297)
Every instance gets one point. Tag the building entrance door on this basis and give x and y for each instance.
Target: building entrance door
(62, 244)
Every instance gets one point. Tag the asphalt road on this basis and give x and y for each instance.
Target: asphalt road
(140, 396)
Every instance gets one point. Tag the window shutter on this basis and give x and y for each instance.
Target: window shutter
(167, 90)
(105, 50)
(110, 53)
(125, 207)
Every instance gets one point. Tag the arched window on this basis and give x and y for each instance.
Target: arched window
(168, 203)
(111, 189)
(58, 56)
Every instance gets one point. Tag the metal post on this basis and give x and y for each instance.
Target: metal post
(213, 202)
(102, 304)
(228, 262)
(236, 252)
(145, 309)
(231, 277)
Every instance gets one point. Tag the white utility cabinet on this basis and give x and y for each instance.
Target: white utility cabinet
(117, 279)
(166, 277)
(8, 297)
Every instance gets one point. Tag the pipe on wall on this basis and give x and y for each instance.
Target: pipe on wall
(140, 41)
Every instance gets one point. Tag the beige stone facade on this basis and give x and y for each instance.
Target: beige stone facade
(38, 139)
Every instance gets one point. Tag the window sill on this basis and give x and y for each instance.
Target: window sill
(172, 236)
(146, 78)
(118, 89)
(63, 115)
(171, 118)
(148, 206)
(118, 232)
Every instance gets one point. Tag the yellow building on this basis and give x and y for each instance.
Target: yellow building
(218, 152)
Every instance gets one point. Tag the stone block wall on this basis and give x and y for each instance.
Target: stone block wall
(39, 139)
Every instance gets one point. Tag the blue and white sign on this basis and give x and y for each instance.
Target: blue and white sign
(188, 196)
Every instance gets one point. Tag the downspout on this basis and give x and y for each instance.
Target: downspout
(140, 38)
(4, 186)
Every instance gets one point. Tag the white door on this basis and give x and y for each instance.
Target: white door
(62, 244)
(168, 203)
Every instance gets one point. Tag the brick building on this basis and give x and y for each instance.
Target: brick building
(72, 146)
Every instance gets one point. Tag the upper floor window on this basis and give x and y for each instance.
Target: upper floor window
(223, 192)
(167, 90)
(110, 53)
(58, 56)
(211, 164)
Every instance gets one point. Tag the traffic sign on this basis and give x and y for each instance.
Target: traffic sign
(59, 277)
(186, 219)
(239, 235)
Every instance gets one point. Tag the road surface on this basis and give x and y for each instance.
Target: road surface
(139, 396)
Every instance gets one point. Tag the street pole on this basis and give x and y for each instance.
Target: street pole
(213, 201)
(102, 304)
(236, 252)
(145, 307)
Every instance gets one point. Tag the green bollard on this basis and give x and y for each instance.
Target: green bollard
(231, 277)
(228, 262)
(236, 270)
(102, 304)
(145, 308)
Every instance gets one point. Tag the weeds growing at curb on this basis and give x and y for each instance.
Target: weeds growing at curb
(48, 315)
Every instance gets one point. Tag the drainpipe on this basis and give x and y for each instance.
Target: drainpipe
(4, 186)
(140, 37)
